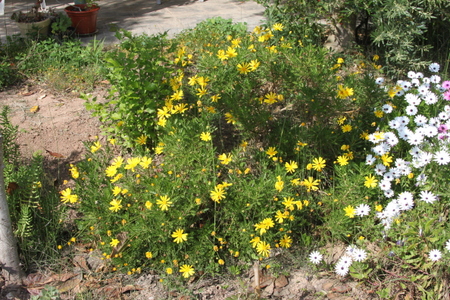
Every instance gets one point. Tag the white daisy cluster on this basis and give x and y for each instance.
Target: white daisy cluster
(351, 254)
(428, 139)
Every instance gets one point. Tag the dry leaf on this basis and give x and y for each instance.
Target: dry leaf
(81, 262)
(61, 277)
(54, 154)
(27, 93)
(42, 97)
(69, 284)
(130, 287)
(12, 186)
(34, 109)
(35, 279)
(35, 291)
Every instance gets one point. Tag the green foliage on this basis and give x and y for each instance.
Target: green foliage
(139, 72)
(301, 18)
(404, 32)
(64, 66)
(7, 75)
(31, 201)
(10, 148)
(60, 25)
(243, 132)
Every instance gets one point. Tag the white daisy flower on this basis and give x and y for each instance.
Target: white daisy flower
(423, 89)
(421, 179)
(400, 93)
(391, 138)
(379, 80)
(388, 176)
(412, 75)
(345, 260)
(384, 185)
(411, 110)
(415, 82)
(442, 157)
(392, 210)
(406, 85)
(435, 255)
(387, 109)
(362, 210)
(415, 151)
(430, 98)
(341, 270)
(405, 196)
(401, 163)
(370, 159)
(404, 120)
(359, 255)
(415, 139)
(350, 250)
(412, 99)
(434, 67)
(394, 124)
(315, 257)
(420, 120)
(447, 245)
(435, 79)
(428, 197)
(434, 121)
(389, 193)
(396, 172)
(430, 131)
(380, 169)
(405, 204)
(419, 75)
(443, 115)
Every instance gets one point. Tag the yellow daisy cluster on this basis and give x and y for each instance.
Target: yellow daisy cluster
(344, 92)
(182, 58)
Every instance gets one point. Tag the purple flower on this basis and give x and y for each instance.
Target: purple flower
(447, 95)
(442, 136)
(442, 128)
(446, 84)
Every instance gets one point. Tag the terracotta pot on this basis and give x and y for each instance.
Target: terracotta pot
(84, 21)
(40, 28)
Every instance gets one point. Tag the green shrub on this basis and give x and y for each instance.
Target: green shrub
(243, 134)
(404, 32)
(31, 200)
(139, 73)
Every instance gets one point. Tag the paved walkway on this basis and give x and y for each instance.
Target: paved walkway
(146, 16)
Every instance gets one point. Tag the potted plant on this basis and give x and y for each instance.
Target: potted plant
(84, 17)
(35, 22)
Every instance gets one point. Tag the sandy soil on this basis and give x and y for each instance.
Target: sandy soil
(51, 124)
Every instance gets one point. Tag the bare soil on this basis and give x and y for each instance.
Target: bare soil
(57, 125)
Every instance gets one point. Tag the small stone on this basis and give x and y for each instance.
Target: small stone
(281, 281)
(266, 281)
(268, 291)
(333, 296)
(328, 285)
(341, 288)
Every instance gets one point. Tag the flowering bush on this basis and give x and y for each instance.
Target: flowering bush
(406, 204)
(255, 150)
